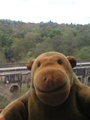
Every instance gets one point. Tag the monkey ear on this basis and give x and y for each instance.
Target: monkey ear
(29, 64)
(72, 61)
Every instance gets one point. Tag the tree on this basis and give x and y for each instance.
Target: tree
(43, 47)
(84, 53)
(4, 38)
(54, 32)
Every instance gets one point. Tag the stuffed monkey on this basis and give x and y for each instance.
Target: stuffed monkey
(55, 92)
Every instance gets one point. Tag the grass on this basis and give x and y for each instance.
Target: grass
(3, 102)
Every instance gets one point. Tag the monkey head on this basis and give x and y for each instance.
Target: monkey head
(52, 77)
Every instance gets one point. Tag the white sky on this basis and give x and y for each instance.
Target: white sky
(60, 11)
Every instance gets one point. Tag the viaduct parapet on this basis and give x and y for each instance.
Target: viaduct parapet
(13, 79)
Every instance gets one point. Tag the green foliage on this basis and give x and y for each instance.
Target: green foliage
(23, 91)
(3, 102)
(29, 53)
(21, 41)
(2, 57)
(9, 42)
(75, 33)
(54, 32)
(4, 38)
(84, 53)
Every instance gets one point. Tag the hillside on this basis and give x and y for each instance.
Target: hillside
(21, 41)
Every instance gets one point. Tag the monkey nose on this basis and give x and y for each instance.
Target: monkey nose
(48, 80)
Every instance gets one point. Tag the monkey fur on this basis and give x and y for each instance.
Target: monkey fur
(55, 92)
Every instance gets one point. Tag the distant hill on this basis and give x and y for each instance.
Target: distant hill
(21, 41)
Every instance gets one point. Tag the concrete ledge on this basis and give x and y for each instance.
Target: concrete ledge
(13, 69)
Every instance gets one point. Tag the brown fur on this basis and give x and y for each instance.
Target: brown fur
(55, 92)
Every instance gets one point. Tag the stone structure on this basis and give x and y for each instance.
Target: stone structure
(83, 73)
(13, 79)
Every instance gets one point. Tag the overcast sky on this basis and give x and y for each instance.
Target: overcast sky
(60, 11)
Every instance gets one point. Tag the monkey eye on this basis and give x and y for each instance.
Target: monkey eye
(59, 62)
(39, 64)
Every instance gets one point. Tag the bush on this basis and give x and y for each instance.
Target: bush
(3, 102)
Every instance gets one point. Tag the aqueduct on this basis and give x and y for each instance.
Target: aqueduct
(13, 79)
